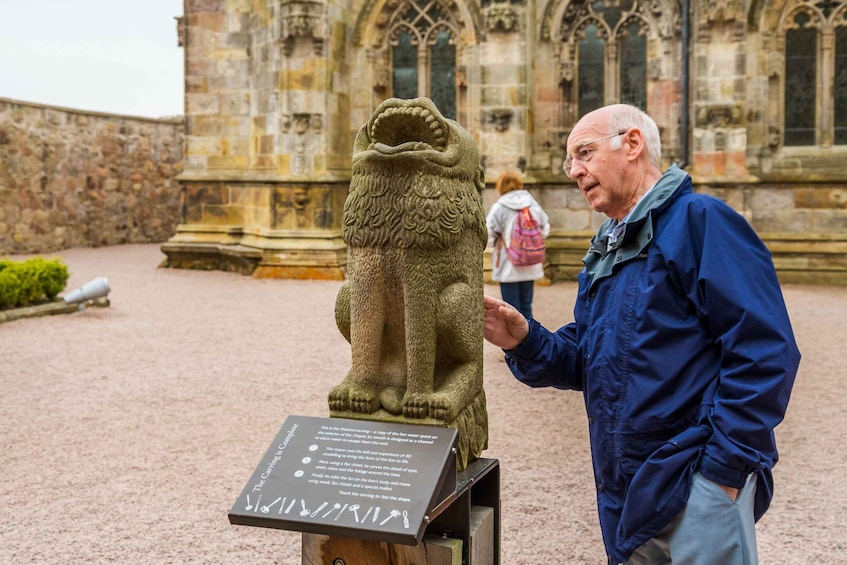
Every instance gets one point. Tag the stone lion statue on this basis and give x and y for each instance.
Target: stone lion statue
(412, 306)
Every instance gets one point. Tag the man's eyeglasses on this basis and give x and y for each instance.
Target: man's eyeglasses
(583, 153)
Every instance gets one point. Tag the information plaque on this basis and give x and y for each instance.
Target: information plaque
(350, 478)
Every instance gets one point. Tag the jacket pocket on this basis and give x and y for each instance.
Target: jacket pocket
(657, 491)
(635, 444)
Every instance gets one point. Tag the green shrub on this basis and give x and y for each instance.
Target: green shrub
(36, 280)
(10, 288)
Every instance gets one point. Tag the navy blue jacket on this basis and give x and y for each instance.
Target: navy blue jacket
(684, 352)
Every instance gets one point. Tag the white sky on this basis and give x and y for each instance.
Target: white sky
(117, 56)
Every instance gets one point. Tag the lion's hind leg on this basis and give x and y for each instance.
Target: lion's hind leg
(459, 351)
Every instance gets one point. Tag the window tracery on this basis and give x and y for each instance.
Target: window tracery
(603, 53)
(813, 38)
(421, 39)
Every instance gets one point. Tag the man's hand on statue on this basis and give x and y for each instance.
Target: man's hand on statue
(504, 326)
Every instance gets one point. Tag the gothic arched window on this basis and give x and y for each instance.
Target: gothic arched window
(422, 35)
(633, 65)
(592, 70)
(605, 43)
(840, 86)
(815, 40)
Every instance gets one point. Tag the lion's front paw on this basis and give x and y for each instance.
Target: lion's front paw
(346, 397)
(442, 409)
(339, 398)
(364, 401)
(416, 405)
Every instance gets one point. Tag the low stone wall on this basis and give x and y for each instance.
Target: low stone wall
(71, 178)
(804, 224)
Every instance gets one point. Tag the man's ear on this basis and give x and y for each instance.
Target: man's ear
(635, 141)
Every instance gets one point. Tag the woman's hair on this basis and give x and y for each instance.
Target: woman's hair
(507, 182)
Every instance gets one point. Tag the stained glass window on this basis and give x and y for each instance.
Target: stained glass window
(608, 42)
(634, 67)
(592, 69)
(405, 59)
(840, 87)
(801, 46)
(442, 74)
(424, 22)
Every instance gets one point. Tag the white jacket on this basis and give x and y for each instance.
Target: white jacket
(501, 220)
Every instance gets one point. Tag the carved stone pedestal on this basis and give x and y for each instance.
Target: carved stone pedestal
(264, 229)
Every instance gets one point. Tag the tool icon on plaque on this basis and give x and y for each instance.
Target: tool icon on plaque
(337, 508)
(266, 509)
(321, 507)
(257, 507)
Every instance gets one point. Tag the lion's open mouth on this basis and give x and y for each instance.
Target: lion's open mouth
(407, 128)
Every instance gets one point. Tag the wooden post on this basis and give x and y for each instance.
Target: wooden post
(482, 536)
(319, 549)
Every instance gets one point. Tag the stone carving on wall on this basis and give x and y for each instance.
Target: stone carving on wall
(380, 62)
(566, 71)
(411, 307)
(723, 10)
(720, 116)
(180, 31)
(300, 125)
(654, 69)
(303, 19)
(299, 197)
(775, 63)
(382, 78)
(502, 17)
(500, 118)
(292, 207)
(774, 135)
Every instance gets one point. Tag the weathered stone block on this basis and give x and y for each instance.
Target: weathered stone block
(228, 161)
(798, 221)
(504, 74)
(222, 215)
(198, 104)
(773, 198)
(821, 197)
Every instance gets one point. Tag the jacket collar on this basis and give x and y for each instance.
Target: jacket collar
(638, 227)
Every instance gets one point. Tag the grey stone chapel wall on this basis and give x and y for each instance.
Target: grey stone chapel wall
(71, 178)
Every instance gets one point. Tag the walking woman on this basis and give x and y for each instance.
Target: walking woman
(516, 282)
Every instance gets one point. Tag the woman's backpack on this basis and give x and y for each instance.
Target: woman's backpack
(527, 244)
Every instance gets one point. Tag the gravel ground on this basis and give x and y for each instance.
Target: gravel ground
(129, 431)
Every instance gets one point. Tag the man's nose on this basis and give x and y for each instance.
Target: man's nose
(577, 169)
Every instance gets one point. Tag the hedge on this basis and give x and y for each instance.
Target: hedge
(33, 281)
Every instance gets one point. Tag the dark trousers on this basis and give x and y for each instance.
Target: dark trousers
(519, 295)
